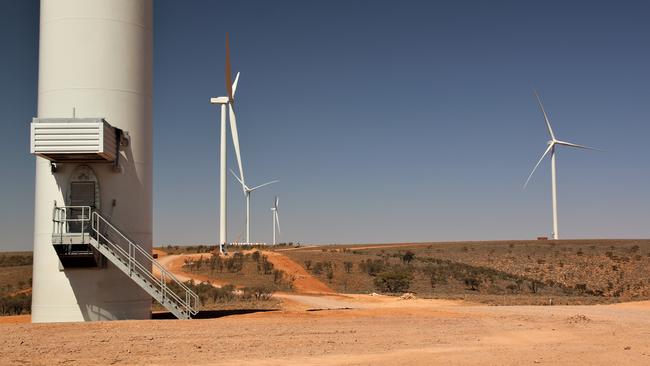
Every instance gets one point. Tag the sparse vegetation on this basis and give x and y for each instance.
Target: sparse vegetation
(372, 267)
(226, 295)
(348, 266)
(393, 281)
(16, 259)
(252, 270)
(408, 257)
(530, 272)
(15, 283)
(15, 304)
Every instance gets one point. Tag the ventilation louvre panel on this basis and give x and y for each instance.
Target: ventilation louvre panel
(73, 139)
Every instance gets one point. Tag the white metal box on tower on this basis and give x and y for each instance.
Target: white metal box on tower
(74, 139)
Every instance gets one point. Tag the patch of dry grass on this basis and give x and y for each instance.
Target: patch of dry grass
(509, 272)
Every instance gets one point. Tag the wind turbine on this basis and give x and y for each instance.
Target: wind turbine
(247, 193)
(552, 144)
(227, 102)
(276, 219)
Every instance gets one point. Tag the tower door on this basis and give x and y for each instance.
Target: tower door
(82, 194)
(83, 190)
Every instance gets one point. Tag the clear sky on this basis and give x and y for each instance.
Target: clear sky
(384, 121)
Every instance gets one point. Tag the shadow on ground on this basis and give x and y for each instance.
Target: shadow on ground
(211, 314)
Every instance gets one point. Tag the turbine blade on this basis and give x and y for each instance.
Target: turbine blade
(277, 201)
(277, 221)
(234, 85)
(262, 185)
(228, 71)
(576, 145)
(548, 123)
(538, 162)
(239, 180)
(235, 140)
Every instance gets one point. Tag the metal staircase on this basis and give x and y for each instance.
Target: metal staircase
(78, 229)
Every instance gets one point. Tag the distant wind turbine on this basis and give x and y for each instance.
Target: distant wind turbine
(276, 219)
(552, 143)
(227, 102)
(247, 192)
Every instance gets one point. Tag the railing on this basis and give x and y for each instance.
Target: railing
(87, 224)
(71, 220)
(140, 262)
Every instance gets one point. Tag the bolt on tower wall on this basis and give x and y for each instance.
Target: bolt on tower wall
(95, 56)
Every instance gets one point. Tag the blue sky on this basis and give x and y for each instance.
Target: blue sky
(384, 123)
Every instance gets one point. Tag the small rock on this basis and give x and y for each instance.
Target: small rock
(578, 319)
(627, 348)
(408, 296)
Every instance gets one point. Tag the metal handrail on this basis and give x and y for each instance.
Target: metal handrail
(60, 220)
(191, 301)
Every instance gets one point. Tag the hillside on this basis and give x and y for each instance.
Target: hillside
(15, 282)
(504, 272)
(568, 271)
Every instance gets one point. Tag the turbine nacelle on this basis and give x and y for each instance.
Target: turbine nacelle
(219, 100)
(226, 99)
(246, 188)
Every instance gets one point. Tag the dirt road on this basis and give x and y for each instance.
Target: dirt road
(174, 263)
(303, 282)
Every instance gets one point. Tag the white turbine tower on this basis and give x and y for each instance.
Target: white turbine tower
(552, 143)
(247, 193)
(227, 102)
(276, 219)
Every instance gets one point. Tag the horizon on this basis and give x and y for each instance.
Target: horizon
(548, 241)
(383, 125)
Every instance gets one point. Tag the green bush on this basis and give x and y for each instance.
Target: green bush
(408, 257)
(15, 305)
(472, 283)
(317, 268)
(436, 275)
(277, 276)
(372, 267)
(348, 266)
(393, 281)
(235, 263)
(267, 266)
(330, 274)
(258, 293)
